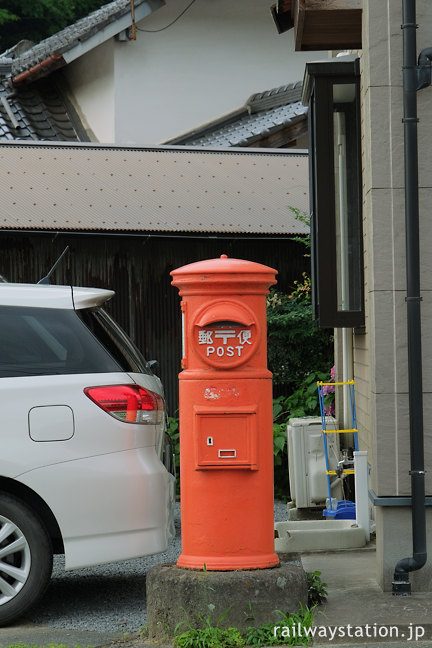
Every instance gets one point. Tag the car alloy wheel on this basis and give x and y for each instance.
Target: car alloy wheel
(15, 560)
(25, 558)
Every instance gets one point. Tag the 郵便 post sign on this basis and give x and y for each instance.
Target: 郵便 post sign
(225, 343)
(225, 334)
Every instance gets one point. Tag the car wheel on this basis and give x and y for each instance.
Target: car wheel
(25, 558)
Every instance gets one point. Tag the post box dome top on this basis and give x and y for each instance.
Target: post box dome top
(224, 265)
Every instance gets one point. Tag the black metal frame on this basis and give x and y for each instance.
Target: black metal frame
(318, 94)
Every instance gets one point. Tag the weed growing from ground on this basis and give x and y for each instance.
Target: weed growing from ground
(208, 636)
(212, 636)
(317, 590)
(265, 635)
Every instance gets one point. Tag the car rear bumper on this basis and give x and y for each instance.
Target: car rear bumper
(109, 507)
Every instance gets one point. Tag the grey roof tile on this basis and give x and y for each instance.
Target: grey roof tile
(275, 97)
(70, 36)
(38, 119)
(264, 113)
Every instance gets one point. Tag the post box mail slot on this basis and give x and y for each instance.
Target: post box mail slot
(225, 438)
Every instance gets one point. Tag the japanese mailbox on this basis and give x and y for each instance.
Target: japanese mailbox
(226, 439)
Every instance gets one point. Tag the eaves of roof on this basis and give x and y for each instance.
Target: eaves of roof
(168, 190)
(263, 114)
(79, 38)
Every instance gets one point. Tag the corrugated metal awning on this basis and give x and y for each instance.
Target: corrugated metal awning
(169, 189)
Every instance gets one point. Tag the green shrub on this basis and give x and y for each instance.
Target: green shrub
(299, 354)
(295, 346)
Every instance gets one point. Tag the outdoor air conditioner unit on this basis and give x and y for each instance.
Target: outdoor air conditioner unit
(306, 461)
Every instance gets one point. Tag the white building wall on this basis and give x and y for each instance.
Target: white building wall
(203, 66)
(91, 81)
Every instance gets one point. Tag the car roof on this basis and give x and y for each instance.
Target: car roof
(49, 296)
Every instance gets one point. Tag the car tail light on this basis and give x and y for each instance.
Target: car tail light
(128, 403)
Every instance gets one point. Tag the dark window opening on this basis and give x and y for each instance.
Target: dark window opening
(115, 340)
(48, 341)
(331, 89)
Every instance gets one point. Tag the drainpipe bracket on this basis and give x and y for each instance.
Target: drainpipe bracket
(423, 69)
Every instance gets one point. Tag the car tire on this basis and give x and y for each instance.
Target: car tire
(26, 558)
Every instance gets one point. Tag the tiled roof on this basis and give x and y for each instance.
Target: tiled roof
(281, 96)
(264, 113)
(72, 36)
(37, 112)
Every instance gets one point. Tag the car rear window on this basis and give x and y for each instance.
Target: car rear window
(46, 341)
(115, 340)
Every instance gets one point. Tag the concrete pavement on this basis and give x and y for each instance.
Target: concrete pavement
(27, 633)
(357, 612)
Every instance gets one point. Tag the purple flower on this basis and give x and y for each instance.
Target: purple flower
(330, 410)
(329, 389)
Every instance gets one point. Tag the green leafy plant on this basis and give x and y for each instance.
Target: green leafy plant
(298, 621)
(302, 402)
(302, 217)
(174, 434)
(295, 346)
(209, 635)
(212, 636)
(317, 590)
(173, 431)
(279, 432)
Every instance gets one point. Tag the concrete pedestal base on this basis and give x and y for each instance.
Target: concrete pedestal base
(176, 595)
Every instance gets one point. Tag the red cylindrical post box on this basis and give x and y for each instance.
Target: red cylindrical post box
(226, 436)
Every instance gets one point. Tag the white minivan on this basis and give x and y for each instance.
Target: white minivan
(82, 423)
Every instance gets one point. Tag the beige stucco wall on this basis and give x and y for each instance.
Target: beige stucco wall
(381, 354)
(90, 80)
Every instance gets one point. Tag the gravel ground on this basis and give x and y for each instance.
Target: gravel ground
(107, 597)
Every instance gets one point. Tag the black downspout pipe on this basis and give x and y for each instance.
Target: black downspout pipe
(411, 84)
